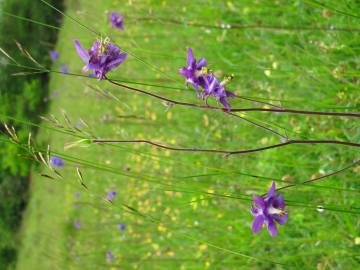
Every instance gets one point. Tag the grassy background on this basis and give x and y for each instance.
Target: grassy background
(22, 97)
(190, 210)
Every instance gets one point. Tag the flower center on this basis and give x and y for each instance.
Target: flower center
(103, 45)
(227, 79)
(276, 211)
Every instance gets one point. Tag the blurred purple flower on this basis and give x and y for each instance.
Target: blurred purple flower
(117, 20)
(54, 55)
(77, 225)
(79, 124)
(77, 195)
(269, 210)
(193, 73)
(57, 162)
(110, 256)
(111, 195)
(216, 89)
(101, 57)
(64, 69)
(122, 227)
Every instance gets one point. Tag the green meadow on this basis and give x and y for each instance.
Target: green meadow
(191, 210)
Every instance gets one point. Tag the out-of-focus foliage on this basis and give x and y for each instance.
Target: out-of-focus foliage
(22, 97)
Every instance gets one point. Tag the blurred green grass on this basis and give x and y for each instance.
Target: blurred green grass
(22, 97)
(315, 70)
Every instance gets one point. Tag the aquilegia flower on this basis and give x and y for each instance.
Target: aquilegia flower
(268, 210)
(199, 75)
(57, 162)
(216, 89)
(64, 69)
(110, 256)
(122, 227)
(194, 72)
(54, 55)
(77, 225)
(117, 20)
(102, 57)
(111, 195)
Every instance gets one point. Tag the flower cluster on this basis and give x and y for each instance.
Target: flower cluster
(117, 20)
(102, 57)
(269, 210)
(197, 74)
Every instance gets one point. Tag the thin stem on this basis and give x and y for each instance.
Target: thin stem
(320, 177)
(258, 125)
(230, 26)
(258, 101)
(206, 107)
(228, 152)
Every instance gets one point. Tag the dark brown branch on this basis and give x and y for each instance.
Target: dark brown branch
(229, 152)
(206, 107)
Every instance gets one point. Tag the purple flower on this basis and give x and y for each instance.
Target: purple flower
(122, 227)
(77, 225)
(64, 69)
(54, 55)
(110, 256)
(268, 211)
(198, 75)
(102, 57)
(216, 89)
(57, 162)
(116, 20)
(111, 195)
(193, 73)
(77, 195)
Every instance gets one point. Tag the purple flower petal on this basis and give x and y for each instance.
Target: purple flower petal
(190, 58)
(117, 62)
(271, 226)
(271, 191)
(259, 202)
(278, 201)
(281, 219)
(258, 223)
(82, 53)
(202, 63)
(226, 104)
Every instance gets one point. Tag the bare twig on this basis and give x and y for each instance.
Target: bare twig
(229, 152)
(206, 107)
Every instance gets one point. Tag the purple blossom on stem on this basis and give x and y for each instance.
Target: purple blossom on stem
(77, 225)
(54, 55)
(268, 210)
(110, 256)
(216, 89)
(57, 162)
(122, 227)
(102, 57)
(64, 69)
(193, 72)
(198, 75)
(117, 20)
(111, 195)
